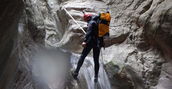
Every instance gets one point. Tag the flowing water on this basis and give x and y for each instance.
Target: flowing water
(49, 67)
(87, 71)
(46, 67)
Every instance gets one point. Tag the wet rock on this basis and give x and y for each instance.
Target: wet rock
(140, 37)
(165, 77)
(9, 18)
(118, 77)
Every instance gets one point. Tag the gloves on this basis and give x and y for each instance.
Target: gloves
(83, 44)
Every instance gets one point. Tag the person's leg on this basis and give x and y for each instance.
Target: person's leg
(96, 53)
(85, 52)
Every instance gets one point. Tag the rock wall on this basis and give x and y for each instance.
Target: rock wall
(9, 17)
(25, 60)
(144, 49)
(139, 45)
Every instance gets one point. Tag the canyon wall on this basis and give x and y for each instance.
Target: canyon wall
(139, 46)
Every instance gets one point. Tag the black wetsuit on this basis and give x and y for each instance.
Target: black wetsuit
(92, 42)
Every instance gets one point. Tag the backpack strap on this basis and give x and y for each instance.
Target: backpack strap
(104, 22)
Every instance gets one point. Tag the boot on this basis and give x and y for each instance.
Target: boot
(95, 79)
(75, 75)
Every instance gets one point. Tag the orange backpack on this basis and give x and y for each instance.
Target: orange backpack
(104, 23)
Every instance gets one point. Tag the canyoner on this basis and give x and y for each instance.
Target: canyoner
(97, 31)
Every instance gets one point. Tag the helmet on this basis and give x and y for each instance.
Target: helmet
(87, 17)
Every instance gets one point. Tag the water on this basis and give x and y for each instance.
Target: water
(45, 67)
(87, 71)
(49, 67)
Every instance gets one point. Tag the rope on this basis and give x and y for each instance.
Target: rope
(82, 30)
(74, 20)
(101, 53)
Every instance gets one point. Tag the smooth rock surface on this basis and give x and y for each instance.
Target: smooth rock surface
(139, 44)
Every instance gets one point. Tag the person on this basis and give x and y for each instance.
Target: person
(91, 41)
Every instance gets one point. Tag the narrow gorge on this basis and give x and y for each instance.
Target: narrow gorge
(41, 44)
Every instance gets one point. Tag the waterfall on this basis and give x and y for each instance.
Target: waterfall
(87, 71)
(45, 67)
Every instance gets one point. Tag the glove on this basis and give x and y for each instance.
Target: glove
(83, 44)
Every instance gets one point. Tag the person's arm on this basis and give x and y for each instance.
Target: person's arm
(90, 32)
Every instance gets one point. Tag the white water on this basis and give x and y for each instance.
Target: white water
(48, 67)
(87, 71)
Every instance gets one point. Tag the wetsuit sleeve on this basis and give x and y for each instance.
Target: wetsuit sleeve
(90, 31)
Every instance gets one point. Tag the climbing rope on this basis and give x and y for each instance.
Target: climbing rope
(102, 61)
(74, 20)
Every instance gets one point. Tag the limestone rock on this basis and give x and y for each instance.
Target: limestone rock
(140, 37)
